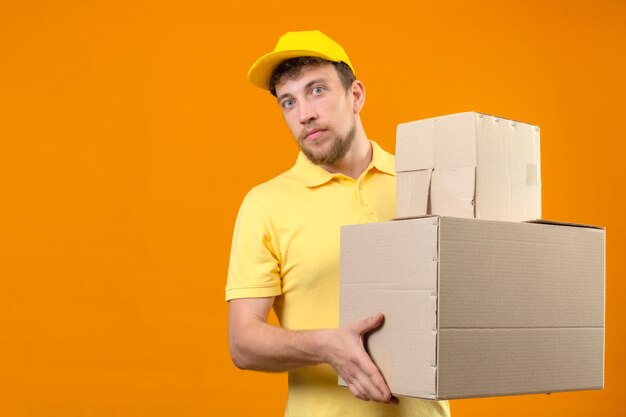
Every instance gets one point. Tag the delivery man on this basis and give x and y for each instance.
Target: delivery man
(285, 249)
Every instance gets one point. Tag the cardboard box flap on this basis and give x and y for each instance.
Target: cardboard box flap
(415, 145)
(418, 342)
(519, 275)
(560, 223)
(455, 141)
(411, 250)
(413, 192)
(398, 218)
(478, 363)
(540, 221)
(438, 142)
(452, 192)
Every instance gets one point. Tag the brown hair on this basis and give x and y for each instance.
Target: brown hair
(291, 68)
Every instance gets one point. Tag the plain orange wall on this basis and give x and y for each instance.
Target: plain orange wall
(129, 135)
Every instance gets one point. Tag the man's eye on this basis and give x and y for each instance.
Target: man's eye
(318, 90)
(287, 104)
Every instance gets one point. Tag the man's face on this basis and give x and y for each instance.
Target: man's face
(319, 112)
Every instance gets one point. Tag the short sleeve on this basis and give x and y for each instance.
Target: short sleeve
(253, 270)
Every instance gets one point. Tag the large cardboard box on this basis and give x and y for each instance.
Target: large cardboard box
(469, 165)
(478, 308)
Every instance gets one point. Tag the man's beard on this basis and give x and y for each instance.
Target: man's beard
(339, 149)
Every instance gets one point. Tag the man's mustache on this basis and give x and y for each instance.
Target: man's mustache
(309, 130)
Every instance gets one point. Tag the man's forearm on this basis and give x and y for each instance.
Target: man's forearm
(264, 347)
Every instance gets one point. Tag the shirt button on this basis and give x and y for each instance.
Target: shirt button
(363, 203)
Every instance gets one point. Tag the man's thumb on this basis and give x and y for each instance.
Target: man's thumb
(371, 323)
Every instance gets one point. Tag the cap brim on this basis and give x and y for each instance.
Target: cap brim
(261, 71)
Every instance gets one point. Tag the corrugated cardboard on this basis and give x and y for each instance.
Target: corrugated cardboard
(478, 308)
(469, 165)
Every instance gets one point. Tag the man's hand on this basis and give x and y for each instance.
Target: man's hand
(344, 350)
(257, 345)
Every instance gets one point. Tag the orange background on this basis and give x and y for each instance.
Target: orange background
(129, 135)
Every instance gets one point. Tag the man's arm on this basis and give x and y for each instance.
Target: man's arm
(258, 345)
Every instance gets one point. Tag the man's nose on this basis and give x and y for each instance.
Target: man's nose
(307, 112)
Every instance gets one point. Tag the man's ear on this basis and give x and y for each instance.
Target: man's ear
(358, 94)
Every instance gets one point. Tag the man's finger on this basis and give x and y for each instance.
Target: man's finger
(370, 323)
(371, 380)
(372, 390)
(357, 390)
(381, 385)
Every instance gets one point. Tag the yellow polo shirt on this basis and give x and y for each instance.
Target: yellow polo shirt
(286, 244)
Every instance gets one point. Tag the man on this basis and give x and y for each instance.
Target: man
(285, 250)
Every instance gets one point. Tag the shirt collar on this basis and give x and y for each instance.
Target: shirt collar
(313, 175)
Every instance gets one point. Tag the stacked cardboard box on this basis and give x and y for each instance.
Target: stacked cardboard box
(474, 307)
(469, 165)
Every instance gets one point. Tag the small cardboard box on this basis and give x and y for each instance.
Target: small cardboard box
(478, 308)
(468, 165)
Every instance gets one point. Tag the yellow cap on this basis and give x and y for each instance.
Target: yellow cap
(293, 45)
